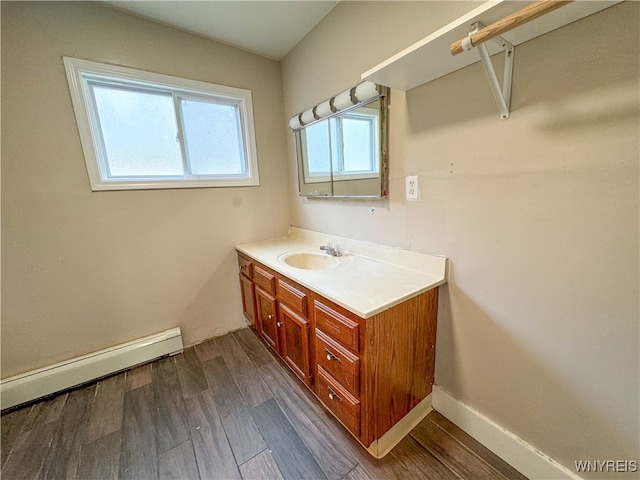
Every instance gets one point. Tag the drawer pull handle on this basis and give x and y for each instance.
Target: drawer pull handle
(333, 395)
(331, 356)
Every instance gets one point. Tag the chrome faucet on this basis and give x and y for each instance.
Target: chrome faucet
(333, 250)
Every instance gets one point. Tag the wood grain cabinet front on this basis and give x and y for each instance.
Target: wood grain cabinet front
(294, 342)
(294, 296)
(267, 318)
(264, 279)
(337, 347)
(295, 328)
(340, 402)
(247, 289)
(338, 325)
(338, 362)
(246, 266)
(281, 308)
(369, 373)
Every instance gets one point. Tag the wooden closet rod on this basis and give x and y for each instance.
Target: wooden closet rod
(510, 22)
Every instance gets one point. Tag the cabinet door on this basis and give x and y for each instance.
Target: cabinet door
(248, 302)
(294, 342)
(267, 320)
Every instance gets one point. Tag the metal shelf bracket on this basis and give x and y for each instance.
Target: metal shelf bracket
(501, 94)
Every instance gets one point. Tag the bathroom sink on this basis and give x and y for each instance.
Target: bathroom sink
(309, 260)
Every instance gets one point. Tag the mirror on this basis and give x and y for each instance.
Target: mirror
(345, 154)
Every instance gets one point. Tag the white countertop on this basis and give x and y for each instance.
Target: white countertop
(368, 279)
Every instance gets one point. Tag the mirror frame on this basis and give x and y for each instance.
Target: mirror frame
(383, 136)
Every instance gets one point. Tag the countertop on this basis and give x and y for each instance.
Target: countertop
(368, 279)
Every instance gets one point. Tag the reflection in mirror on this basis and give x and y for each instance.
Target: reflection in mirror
(344, 155)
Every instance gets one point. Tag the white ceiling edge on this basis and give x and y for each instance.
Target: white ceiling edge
(270, 28)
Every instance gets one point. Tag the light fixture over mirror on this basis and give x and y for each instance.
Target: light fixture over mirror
(341, 144)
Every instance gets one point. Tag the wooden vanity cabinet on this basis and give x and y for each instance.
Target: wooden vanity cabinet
(369, 373)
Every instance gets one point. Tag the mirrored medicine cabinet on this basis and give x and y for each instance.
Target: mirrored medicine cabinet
(341, 145)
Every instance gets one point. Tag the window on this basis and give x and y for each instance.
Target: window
(344, 146)
(359, 133)
(142, 130)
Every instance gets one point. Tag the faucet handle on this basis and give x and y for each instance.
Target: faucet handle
(331, 250)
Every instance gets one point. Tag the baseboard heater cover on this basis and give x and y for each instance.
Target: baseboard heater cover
(45, 381)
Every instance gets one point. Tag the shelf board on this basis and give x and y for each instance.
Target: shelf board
(430, 58)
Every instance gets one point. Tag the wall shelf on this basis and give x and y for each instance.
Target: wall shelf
(430, 58)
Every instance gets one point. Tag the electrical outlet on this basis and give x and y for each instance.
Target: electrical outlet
(411, 188)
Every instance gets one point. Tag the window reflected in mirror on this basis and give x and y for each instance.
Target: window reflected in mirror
(344, 146)
(344, 155)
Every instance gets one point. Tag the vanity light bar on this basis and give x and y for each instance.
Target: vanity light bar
(357, 95)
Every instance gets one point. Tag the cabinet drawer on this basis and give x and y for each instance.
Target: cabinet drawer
(341, 364)
(246, 266)
(264, 279)
(293, 297)
(337, 326)
(339, 401)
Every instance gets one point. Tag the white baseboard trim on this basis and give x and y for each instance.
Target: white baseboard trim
(522, 456)
(76, 371)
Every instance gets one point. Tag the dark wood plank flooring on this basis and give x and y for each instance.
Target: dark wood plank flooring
(224, 409)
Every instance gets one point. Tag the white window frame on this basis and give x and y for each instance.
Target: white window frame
(337, 152)
(80, 72)
(373, 172)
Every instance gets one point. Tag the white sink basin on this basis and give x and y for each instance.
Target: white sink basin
(309, 260)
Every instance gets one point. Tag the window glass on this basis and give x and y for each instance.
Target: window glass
(213, 141)
(138, 132)
(358, 149)
(317, 136)
(146, 130)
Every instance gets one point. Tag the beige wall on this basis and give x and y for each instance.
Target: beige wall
(538, 325)
(539, 215)
(83, 271)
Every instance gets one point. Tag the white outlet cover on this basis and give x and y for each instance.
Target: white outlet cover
(411, 188)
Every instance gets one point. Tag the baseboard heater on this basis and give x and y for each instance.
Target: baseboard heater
(39, 383)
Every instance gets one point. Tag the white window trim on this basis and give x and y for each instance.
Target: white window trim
(75, 68)
(374, 172)
(339, 175)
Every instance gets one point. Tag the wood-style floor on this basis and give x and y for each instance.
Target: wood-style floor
(224, 409)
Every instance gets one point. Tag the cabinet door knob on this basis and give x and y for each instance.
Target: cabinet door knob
(279, 324)
(333, 395)
(331, 356)
(270, 316)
